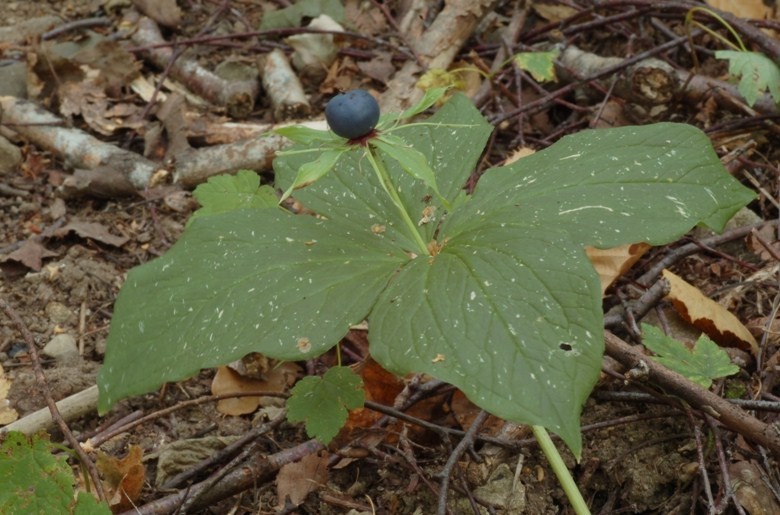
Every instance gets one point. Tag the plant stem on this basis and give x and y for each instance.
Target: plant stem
(387, 184)
(561, 472)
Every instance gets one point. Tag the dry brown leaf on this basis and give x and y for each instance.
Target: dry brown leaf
(554, 12)
(228, 381)
(613, 263)
(518, 153)
(123, 478)
(743, 8)
(750, 490)
(164, 12)
(380, 386)
(93, 231)
(7, 413)
(31, 255)
(708, 316)
(299, 479)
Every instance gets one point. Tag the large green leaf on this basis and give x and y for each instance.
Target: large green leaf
(518, 244)
(513, 320)
(246, 281)
(614, 186)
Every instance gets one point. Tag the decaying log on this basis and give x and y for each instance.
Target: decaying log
(654, 82)
(195, 167)
(237, 96)
(105, 170)
(283, 88)
(648, 82)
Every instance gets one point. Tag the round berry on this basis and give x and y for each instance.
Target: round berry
(352, 114)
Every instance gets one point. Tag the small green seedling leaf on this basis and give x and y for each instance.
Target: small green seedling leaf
(293, 15)
(224, 193)
(323, 402)
(430, 97)
(36, 481)
(705, 362)
(313, 171)
(757, 74)
(411, 161)
(440, 78)
(541, 65)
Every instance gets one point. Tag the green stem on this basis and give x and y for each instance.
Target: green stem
(564, 478)
(387, 184)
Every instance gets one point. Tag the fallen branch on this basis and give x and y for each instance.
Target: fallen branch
(256, 470)
(237, 96)
(71, 408)
(697, 397)
(79, 149)
(102, 169)
(283, 87)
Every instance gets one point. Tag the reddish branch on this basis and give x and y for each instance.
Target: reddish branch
(257, 470)
(697, 397)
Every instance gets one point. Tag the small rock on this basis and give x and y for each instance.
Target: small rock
(63, 348)
(13, 79)
(10, 157)
(58, 313)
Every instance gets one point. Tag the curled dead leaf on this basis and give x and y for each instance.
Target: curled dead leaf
(124, 478)
(228, 381)
(613, 263)
(708, 316)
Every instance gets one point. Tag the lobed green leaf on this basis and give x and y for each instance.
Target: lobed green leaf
(322, 402)
(705, 362)
(224, 193)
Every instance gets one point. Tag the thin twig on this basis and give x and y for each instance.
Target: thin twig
(85, 23)
(691, 248)
(465, 444)
(724, 470)
(101, 438)
(229, 451)
(43, 384)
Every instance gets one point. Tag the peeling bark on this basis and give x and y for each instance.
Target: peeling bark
(238, 97)
(436, 48)
(79, 149)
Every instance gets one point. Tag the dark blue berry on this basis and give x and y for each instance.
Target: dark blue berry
(352, 114)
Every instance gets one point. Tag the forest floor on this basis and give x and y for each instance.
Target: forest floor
(72, 227)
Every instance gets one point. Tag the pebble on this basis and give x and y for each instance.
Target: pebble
(63, 348)
(10, 157)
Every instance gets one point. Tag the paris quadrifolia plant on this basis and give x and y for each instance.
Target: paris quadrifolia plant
(491, 292)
